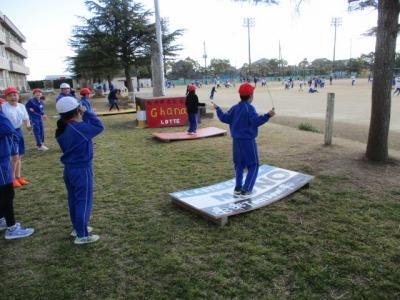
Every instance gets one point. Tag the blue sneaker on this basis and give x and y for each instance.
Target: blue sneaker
(3, 224)
(17, 232)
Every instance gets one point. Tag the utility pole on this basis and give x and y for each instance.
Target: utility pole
(159, 84)
(335, 22)
(249, 22)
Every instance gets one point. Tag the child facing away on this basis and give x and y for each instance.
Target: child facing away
(192, 106)
(213, 90)
(35, 109)
(76, 142)
(113, 98)
(85, 93)
(243, 122)
(7, 193)
(17, 114)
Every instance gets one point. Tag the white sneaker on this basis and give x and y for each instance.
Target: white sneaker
(17, 232)
(43, 148)
(89, 229)
(86, 239)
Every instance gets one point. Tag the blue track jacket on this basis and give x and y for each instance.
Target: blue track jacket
(76, 141)
(6, 131)
(243, 120)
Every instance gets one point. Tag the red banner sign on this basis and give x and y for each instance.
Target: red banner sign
(166, 112)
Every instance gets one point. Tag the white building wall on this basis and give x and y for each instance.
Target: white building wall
(13, 71)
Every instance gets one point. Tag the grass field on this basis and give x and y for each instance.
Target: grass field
(340, 239)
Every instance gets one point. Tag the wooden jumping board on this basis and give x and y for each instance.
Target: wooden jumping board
(178, 136)
(115, 112)
(217, 202)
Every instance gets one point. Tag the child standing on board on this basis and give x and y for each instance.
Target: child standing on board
(75, 140)
(243, 122)
(35, 109)
(17, 114)
(7, 193)
(192, 106)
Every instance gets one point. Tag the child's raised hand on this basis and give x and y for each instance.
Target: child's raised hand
(271, 112)
(82, 108)
(215, 106)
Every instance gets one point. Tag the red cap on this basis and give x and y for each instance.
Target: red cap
(246, 89)
(10, 89)
(36, 90)
(2, 100)
(191, 88)
(85, 91)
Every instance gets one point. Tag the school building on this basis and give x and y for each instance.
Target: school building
(13, 71)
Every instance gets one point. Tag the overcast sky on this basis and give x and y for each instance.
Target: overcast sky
(47, 26)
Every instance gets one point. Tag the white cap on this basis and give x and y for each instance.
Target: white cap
(64, 86)
(66, 104)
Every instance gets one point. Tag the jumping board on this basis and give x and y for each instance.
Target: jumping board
(115, 112)
(201, 133)
(217, 202)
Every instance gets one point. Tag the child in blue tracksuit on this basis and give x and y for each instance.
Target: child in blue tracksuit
(35, 108)
(85, 93)
(243, 122)
(7, 218)
(75, 140)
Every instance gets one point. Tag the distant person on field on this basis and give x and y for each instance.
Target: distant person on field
(113, 98)
(192, 106)
(311, 90)
(65, 91)
(7, 193)
(35, 109)
(397, 86)
(76, 142)
(243, 122)
(353, 80)
(213, 90)
(17, 114)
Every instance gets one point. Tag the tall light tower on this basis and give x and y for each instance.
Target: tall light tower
(335, 22)
(205, 61)
(249, 22)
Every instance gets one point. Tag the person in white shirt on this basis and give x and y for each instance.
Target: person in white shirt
(18, 116)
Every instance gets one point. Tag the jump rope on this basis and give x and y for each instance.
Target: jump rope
(270, 96)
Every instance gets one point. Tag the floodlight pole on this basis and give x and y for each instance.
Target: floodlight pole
(249, 22)
(335, 22)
